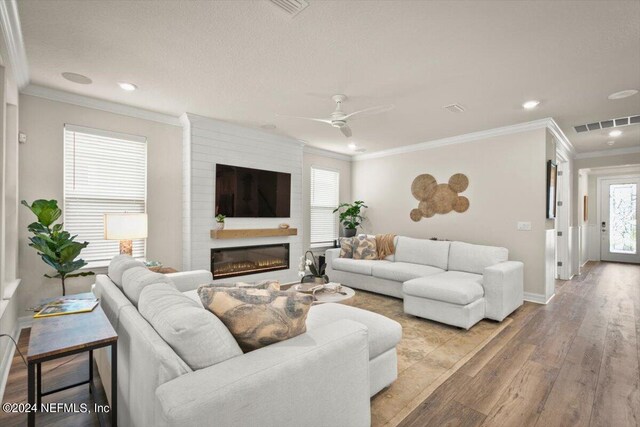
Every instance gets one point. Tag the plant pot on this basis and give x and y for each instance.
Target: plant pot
(319, 280)
(219, 225)
(349, 232)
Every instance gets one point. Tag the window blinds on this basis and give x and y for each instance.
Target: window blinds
(104, 172)
(325, 187)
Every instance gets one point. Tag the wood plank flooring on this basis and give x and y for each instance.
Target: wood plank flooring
(573, 362)
(55, 373)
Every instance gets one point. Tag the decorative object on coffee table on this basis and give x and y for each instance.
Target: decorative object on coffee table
(330, 292)
(311, 270)
(437, 198)
(56, 247)
(351, 217)
(125, 227)
(220, 222)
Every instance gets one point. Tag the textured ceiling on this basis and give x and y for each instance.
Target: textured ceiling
(243, 62)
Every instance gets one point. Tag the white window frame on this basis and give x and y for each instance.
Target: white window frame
(323, 244)
(92, 264)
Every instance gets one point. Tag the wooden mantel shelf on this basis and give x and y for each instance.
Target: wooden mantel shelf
(247, 233)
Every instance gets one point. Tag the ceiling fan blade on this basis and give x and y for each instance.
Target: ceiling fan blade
(346, 131)
(369, 111)
(305, 118)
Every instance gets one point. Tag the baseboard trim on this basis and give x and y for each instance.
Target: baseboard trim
(537, 298)
(5, 365)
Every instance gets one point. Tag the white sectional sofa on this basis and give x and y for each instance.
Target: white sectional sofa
(455, 283)
(324, 377)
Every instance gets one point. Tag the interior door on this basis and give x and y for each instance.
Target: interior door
(619, 219)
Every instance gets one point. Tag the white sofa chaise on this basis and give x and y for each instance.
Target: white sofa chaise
(322, 377)
(455, 283)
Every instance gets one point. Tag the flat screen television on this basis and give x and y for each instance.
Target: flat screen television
(252, 193)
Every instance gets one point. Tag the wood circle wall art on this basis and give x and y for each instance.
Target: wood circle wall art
(437, 198)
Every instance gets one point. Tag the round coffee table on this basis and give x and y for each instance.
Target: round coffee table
(322, 297)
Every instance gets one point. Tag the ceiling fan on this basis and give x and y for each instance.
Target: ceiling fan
(338, 119)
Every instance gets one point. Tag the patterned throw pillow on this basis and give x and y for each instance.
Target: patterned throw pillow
(271, 285)
(346, 247)
(364, 247)
(258, 317)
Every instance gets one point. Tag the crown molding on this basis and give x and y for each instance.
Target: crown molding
(12, 33)
(99, 104)
(564, 145)
(547, 123)
(326, 153)
(607, 153)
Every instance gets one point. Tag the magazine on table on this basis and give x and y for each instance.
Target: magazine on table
(61, 306)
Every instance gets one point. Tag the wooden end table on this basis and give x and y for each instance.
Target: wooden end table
(65, 335)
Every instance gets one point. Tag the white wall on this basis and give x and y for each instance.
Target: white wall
(507, 184)
(9, 311)
(41, 176)
(207, 142)
(323, 161)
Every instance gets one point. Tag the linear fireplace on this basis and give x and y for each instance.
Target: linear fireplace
(243, 260)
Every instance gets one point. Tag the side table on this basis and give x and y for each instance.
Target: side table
(65, 335)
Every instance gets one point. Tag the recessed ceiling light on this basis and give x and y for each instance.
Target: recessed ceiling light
(610, 142)
(77, 78)
(623, 94)
(129, 87)
(352, 146)
(615, 133)
(530, 105)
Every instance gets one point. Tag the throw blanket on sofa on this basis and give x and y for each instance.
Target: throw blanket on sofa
(384, 245)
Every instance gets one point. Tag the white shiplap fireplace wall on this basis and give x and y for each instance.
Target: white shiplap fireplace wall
(207, 142)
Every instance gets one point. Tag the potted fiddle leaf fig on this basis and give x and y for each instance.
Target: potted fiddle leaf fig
(351, 217)
(57, 247)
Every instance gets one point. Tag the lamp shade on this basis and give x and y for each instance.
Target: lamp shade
(125, 226)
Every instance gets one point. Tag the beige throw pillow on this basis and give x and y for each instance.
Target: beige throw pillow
(346, 247)
(270, 285)
(364, 247)
(258, 317)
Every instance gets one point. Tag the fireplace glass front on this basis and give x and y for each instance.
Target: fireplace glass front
(243, 260)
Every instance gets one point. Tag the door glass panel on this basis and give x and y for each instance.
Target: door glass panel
(622, 218)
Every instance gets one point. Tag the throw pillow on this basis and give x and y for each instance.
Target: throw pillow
(346, 247)
(195, 334)
(258, 317)
(270, 285)
(364, 247)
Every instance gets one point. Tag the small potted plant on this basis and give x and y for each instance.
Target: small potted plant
(315, 273)
(220, 222)
(350, 216)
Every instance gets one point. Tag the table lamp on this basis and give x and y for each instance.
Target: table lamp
(125, 227)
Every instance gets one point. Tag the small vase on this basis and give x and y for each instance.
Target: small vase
(319, 280)
(219, 225)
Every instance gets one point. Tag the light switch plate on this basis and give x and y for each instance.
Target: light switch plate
(524, 226)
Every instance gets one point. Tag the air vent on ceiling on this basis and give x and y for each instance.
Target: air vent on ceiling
(291, 7)
(623, 121)
(454, 108)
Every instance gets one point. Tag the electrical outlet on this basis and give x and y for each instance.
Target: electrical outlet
(524, 226)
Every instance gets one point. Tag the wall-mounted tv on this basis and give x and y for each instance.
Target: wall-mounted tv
(252, 193)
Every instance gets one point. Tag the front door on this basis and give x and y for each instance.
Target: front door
(619, 219)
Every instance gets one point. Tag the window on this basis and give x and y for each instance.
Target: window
(325, 186)
(104, 172)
